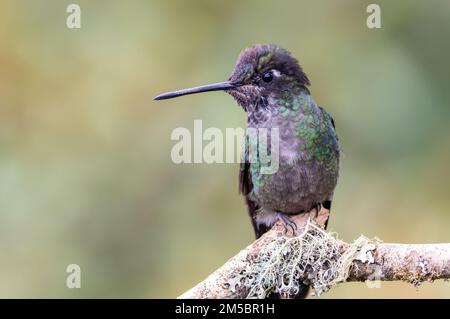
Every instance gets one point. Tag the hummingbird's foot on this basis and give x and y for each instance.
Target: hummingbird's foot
(287, 222)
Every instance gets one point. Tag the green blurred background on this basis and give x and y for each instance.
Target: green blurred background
(85, 169)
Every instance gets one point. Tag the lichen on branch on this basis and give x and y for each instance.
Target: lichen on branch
(279, 262)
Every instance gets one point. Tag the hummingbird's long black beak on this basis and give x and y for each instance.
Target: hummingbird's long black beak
(221, 86)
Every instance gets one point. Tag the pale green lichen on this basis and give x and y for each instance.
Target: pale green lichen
(314, 257)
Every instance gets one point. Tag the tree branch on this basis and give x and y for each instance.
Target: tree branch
(273, 262)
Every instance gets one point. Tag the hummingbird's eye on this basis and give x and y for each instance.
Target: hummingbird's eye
(267, 77)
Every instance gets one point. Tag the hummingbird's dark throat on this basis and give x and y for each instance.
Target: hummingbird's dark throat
(221, 86)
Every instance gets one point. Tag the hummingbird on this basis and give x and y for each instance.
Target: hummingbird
(269, 84)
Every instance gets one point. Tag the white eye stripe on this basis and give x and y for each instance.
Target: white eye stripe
(276, 73)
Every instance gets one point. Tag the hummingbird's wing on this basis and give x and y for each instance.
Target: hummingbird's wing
(245, 181)
(329, 118)
(245, 188)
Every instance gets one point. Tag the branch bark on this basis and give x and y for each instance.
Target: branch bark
(414, 263)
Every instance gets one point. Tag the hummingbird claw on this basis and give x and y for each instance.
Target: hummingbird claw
(287, 222)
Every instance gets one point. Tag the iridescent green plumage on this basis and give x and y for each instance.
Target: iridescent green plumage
(309, 156)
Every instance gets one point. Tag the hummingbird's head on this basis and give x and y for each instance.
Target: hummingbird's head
(261, 71)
